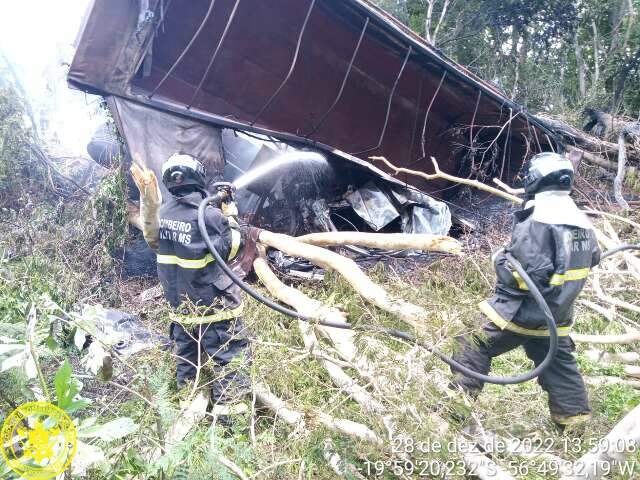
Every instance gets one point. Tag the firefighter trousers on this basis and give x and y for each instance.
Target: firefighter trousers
(568, 401)
(223, 342)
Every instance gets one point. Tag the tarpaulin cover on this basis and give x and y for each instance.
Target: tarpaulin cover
(153, 136)
(423, 214)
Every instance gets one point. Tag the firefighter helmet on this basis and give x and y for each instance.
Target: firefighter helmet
(182, 171)
(548, 172)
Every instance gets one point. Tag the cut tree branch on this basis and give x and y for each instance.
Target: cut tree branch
(297, 419)
(391, 241)
(412, 314)
(439, 174)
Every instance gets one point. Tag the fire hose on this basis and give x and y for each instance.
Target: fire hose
(399, 334)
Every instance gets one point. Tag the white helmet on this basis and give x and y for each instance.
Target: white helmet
(549, 172)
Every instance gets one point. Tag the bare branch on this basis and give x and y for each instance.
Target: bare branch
(439, 174)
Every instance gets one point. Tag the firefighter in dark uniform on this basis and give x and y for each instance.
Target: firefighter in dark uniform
(207, 304)
(556, 245)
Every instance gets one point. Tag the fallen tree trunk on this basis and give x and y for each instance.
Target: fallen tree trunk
(390, 241)
(610, 380)
(339, 377)
(188, 417)
(293, 296)
(619, 180)
(299, 420)
(622, 339)
(606, 357)
(361, 283)
(308, 306)
(591, 145)
(611, 451)
(481, 465)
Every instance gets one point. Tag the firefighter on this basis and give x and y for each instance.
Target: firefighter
(207, 305)
(556, 245)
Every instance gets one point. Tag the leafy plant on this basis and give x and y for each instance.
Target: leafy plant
(88, 454)
(110, 211)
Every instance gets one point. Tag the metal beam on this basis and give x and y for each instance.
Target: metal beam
(291, 69)
(186, 49)
(215, 53)
(393, 92)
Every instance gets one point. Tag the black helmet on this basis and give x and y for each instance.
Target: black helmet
(548, 172)
(181, 171)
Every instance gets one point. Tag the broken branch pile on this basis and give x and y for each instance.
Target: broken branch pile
(375, 376)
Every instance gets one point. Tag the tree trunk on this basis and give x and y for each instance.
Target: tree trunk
(443, 13)
(515, 40)
(596, 57)
(581, 67)
(618, 183)
(390, 241)
(428, 19)
(412, 314)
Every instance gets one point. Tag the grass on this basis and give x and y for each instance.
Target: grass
(71, 268)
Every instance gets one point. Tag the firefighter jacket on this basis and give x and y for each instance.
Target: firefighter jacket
(558, 259)
(193, 283)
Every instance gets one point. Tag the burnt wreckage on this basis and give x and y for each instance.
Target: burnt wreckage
(317, 85)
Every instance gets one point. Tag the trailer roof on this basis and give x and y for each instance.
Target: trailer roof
(341, 75)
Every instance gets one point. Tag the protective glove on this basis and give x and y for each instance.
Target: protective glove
(244, 262)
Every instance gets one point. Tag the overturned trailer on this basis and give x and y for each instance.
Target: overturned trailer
(338, 77)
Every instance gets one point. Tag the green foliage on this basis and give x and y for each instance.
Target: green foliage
(110, 207)
(24, 282)
(18, 172)
(616, 400)
(14, 139)
(67, 388)
(528, 48)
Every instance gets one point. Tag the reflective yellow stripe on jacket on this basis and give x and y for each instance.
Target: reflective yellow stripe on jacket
(570, 275)
(558, 279)
(220, 316)
(236, 240)
(520, 281)
(185, 262)
(500, 322)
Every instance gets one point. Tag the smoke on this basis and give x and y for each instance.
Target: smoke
(36, 46)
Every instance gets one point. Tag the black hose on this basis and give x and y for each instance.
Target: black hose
(238, 281)
(406, 336)
(619, 249)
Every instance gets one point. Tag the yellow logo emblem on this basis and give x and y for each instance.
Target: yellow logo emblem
(38, 441)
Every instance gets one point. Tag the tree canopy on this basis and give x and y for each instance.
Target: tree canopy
(551, 55)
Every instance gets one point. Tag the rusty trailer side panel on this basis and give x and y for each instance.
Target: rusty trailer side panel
(340, 75)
